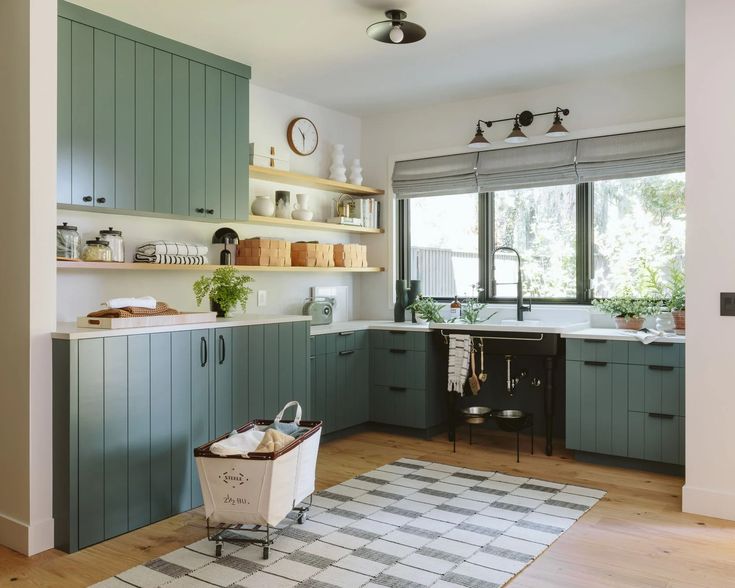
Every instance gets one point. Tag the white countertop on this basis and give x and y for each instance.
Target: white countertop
(341, 327)
(69, 331)
(512, 326)
(618, 335)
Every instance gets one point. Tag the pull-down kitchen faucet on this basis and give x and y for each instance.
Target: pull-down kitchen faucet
(520, 307)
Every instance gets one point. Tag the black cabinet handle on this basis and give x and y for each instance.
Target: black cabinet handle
(203, 351)
(348, 352)
(596, 363)
(210, 210)
(663, 343)
(397, 388)
(312, 357)
(595, 340)
(345, 333)
(660, 415)
(397, 332)
(661, 368)
(101, 200)
(397, 350)
(199, 210)
(86, 199)
(221, 350)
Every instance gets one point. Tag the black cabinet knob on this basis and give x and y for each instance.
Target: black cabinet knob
(101, 200)
(86, 199)
(210, 210)
(199, 210)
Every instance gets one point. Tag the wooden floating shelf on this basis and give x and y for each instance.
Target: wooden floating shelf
(296, 179)
(112, 266)
(314, 225)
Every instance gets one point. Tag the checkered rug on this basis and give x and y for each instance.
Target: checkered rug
(407, 524)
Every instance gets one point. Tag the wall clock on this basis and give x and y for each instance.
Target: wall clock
(302, 136)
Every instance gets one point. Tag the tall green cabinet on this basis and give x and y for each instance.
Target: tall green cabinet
(148, 124)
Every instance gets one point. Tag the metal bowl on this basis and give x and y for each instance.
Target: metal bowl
(510, 420)
(476, 415)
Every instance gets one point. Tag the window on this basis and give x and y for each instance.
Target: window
(575, 241)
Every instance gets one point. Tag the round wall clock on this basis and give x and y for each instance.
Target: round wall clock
(302, 136)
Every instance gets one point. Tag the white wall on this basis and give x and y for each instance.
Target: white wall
(27, 186)
(270, 112)
(615, 104)
(710, 453)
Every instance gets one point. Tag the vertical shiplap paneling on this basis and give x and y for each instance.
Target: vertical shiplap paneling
(228, 146)
(160, 426)
(213, 134)
(201, 357)
(181, 447)
(300, 364)
(223, 382)
(242, 148)
(162, 137)
(139, 431)
(271, 367)
(240, 378)
(116, 435)
(104, 119)
(573, 391)
(144, 127)
(256, 359)
(180, 135)
(124, 124)
(619, 415)
(63, 113)
(196, 140)
(82, 114)
(285, 374)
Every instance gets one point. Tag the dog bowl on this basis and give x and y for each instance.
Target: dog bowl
(510, 420)
(476, 415)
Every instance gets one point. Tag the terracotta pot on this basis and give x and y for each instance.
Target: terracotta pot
(679, 321)
(629, 322)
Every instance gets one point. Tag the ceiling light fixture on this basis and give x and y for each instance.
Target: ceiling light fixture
(520, 120)
(396, 30)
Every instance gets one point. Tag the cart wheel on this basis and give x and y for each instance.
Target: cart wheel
(300, 520)
(266, 552)
(218, 550)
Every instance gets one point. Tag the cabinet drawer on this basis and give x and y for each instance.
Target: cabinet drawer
(348, 340)
(656, 437)
(399, 340)
(656, 388)
(663, 353)
(597, 350)
(399, 367)
(398, 405)
(324, 344)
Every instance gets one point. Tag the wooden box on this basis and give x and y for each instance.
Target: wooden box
(265, 252)
(312, 254)
(350, 255)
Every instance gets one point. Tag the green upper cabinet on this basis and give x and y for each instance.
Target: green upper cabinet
(148, 124)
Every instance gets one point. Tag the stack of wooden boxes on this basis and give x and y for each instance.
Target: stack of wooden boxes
(350, 255)
(312, 254)
(259, 251)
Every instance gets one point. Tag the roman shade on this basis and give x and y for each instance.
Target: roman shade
(435, 176)
(548, 164)
(631, 155)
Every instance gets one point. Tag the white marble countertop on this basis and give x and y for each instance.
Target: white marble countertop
(512, 326)
(341, 327)
(69, 331)
(617, 335)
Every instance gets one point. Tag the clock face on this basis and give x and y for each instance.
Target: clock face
(302, 136)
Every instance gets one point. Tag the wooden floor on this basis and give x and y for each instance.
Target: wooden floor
(636, 536)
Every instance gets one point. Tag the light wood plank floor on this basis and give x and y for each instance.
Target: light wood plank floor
(636, 536)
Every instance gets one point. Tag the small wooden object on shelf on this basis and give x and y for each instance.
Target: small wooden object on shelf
(312, 254)
(267, 252)
(350, 255)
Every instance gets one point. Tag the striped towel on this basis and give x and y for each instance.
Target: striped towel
(171, 259)
(460, 347)
(172, 248)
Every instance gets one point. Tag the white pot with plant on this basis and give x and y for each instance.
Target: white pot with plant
(628, 312)
(427, 310)
(670, 292)
(226, 287)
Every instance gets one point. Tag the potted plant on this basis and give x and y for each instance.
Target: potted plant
(471, 308)
(427, 310)
(226, 288)
(677, 298)
(629, 312)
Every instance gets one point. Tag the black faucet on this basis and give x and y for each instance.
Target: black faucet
(520, 307)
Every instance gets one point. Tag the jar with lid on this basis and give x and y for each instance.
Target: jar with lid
(68, 241)
(97, 249)
(115, 241)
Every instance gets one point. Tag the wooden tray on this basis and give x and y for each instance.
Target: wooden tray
(134, 322)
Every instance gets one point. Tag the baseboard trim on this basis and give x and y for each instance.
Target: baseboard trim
(26, 539)
(710, 503)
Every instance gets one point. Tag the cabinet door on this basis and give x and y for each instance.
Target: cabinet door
(196, 139)
(180, 135)
(162, 132)
(655, 437)
(181, 421)
(223, 382)
(124, 124)
(242, 148)
(104, 119)
(161, 426)
(213, 130)
(82, 114)
(240, 378)
(353, 407)
(228, 155)
(63, 107)
(144, 127)
(201, 356)
(139, 431)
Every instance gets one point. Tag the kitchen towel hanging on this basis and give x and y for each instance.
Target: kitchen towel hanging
(460, 347)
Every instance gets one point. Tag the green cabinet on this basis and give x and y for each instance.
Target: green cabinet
(148, 124)
(626, 399)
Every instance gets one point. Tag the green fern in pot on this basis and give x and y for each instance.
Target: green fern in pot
(226, 288)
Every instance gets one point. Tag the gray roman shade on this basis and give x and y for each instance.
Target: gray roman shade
(435, 176)
(547, 164)
(631, 155)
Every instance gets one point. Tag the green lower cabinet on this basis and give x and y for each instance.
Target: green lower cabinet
(656, 437)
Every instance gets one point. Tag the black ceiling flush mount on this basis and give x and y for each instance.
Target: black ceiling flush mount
(522, 119)
(396, 30)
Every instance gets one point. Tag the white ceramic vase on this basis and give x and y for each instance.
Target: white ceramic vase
(356, 173)
(338, 171)
(263, 206)
(301, 211)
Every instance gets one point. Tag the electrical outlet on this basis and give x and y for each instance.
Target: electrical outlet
(727, 303)
(262, 297)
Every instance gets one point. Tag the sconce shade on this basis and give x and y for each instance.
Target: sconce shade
(516, 135)
(478, 141)
(557, 129)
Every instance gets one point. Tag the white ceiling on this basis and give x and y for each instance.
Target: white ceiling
(318, 50)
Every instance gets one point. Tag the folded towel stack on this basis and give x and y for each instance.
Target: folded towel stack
(172, 252)
(140, 302)
(160, 309)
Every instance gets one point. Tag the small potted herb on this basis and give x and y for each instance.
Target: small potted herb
(427, 310)
(226, 288)
(471, 308)
(629, 312)
(677, 298)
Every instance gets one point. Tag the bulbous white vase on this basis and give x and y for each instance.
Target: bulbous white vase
(263, 206)
(337, 170)
(356, 173)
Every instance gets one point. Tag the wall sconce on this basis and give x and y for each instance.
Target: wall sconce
(520, 120)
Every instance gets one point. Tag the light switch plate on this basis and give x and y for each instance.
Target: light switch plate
(727, 303)
(262, 297)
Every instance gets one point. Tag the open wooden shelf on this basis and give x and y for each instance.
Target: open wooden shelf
(296, 179)
(314, 225)
(112, 266)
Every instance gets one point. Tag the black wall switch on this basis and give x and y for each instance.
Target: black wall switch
(727, 303)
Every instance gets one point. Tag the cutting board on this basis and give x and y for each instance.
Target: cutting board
(135, 322)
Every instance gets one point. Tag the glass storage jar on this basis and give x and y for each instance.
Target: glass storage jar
(97, 250)
(115, 241)
(68, 241)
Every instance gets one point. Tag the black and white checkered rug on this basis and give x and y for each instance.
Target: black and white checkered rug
(407, 524)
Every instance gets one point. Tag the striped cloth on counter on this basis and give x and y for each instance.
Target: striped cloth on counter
(171, 259)
(172, 248)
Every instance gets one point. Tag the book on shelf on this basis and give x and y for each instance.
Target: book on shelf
(346, 220)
